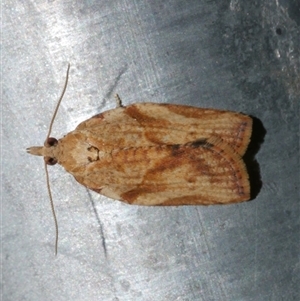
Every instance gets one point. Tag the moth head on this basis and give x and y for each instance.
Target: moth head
(46, 151)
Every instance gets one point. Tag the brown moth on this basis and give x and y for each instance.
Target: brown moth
(157, 154)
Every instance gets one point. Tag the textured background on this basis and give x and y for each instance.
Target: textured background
(235, 55)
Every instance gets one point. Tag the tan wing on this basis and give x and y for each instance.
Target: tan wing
(201, 172)
(146, 124)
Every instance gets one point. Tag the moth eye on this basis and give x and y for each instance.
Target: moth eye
(50, 142)
(50, 161)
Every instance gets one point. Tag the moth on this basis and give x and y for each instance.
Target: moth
(157, 154)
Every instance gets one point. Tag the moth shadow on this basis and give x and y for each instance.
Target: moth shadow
(257, 138)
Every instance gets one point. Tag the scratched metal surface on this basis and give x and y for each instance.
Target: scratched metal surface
(237, 55)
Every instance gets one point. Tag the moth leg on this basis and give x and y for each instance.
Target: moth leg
(118, 101)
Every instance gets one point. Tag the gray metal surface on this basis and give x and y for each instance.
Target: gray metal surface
(235, 55)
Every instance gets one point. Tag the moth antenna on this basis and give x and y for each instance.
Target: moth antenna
(52, 208)
(59, 101)
(46, 167)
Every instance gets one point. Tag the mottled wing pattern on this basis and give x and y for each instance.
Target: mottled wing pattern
(146, 124)
(202, 172)
(162, 154)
